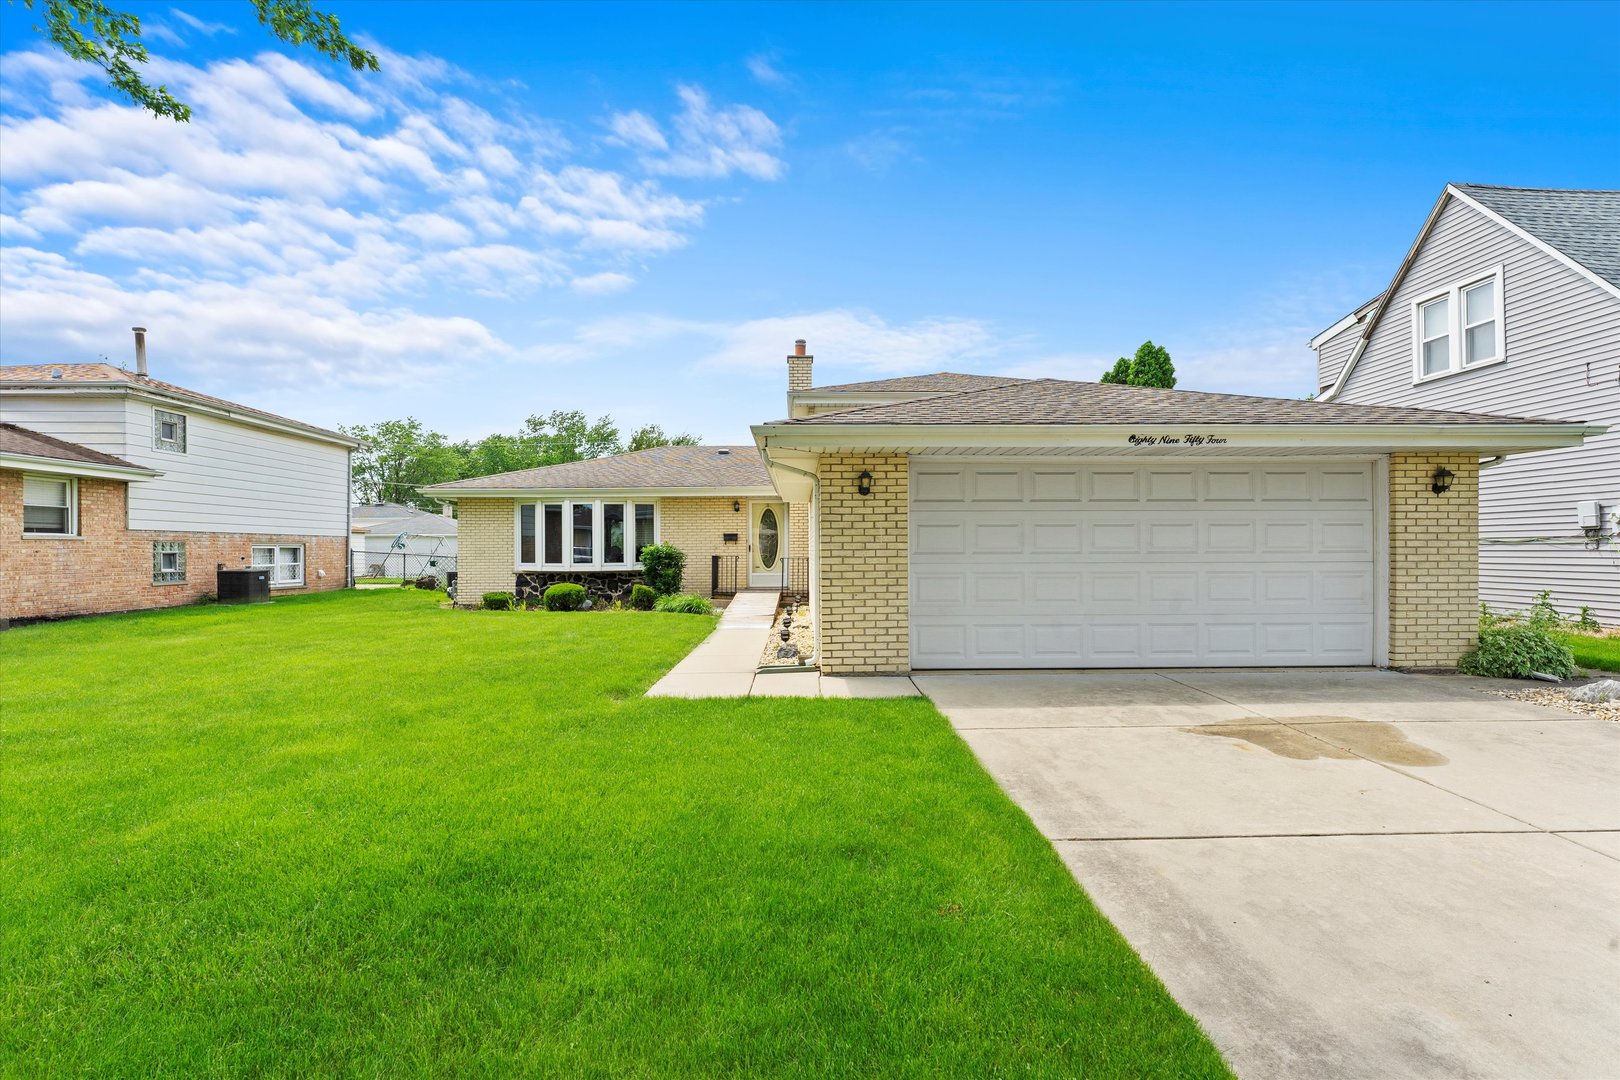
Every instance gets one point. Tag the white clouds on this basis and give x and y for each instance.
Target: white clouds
(208, 28)
(330, 203)
(708, 141)
(762, 66)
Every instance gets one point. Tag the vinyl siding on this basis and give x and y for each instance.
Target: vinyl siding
(1562, 338)
(1332, 354)
(96, 422)
(234, 478)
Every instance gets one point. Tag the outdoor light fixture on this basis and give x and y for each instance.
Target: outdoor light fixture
(863, 483)
(1442, 481)
(736, 507)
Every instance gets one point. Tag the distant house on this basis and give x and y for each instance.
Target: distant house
(120, 492)
(393, 540)
(1508, 302)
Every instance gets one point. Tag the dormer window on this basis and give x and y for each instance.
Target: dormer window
(168, 431)
(1458, 329)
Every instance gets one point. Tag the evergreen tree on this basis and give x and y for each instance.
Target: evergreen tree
(1152, 367)
(1119, 374)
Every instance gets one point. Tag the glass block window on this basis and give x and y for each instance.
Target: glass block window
(169, 562)
(168, 431)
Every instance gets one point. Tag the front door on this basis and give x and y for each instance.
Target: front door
(767, 544)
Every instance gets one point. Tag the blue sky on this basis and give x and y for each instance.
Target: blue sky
(634, 210)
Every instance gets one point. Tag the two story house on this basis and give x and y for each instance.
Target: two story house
(120, 492)
(1508, 302)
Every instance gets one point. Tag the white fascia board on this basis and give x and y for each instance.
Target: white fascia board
(1489, 438)
(1344, 323)
(62, 467)
(453, 494)
(182, 401)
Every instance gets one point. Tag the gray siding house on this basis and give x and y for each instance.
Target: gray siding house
(1508, 302)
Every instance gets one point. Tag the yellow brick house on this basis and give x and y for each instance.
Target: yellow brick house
(956, 521)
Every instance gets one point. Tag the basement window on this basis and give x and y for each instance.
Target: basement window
(169, 562)
(284, 561)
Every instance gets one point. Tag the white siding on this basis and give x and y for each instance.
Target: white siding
(96, 422)
(1332, 354)
(1562, 338)
(235, 478)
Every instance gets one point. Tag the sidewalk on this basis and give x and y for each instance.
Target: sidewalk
(724, 665)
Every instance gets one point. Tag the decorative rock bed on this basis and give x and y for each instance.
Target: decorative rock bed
(1559, 698)
(800, 646)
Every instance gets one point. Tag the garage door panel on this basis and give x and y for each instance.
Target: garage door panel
(1038, 565)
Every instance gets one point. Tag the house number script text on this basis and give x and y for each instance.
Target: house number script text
(1176, 440)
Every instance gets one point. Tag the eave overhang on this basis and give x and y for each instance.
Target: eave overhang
(65, 467)
(450, 494)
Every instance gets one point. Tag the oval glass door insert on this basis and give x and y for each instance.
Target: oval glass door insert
(767, 538)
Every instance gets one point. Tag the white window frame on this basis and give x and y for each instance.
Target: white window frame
(598, 532)
(70, 492)
(1457, 326)
(170, 446)
(275, 564)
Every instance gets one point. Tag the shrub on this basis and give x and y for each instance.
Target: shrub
(642, 597)
(685, 603)
(662, 565)
(564, 596)
(1587, 623)
(1510, 650)
(498, 601)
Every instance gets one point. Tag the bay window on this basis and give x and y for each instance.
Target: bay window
(580, 534)
(1458, 329)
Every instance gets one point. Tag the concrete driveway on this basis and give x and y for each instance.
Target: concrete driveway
(1339, 873)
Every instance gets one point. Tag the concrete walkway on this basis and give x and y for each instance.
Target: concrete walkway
(726, 663)
(1341, 874)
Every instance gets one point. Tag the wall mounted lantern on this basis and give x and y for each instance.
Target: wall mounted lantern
(863, 483)
(1442, 481)
(736, 507)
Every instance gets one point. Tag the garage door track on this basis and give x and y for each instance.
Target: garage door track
(1339, 873)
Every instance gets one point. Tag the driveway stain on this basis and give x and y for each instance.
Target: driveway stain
(1337, 738)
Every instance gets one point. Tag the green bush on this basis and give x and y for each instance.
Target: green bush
(685, 603)
(1587, 622)
(564, 596)
(662, 565)
(498, 601)
(642, 597)
(1513, 650)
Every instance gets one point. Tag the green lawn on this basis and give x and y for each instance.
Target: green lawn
(356, 834)
(1602, 653)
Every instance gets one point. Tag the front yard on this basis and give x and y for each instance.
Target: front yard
(354, 833)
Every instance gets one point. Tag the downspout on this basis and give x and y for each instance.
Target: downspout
(348, 525)
(815, 543)
(1491, 462)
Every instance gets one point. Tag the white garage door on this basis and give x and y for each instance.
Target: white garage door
(1190, 565)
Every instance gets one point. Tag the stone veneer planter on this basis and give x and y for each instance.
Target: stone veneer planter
(600, 585)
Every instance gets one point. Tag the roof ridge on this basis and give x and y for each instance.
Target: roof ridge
(943, 393)
(1554, 190)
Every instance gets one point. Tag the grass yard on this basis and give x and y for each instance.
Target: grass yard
(355, 834)
(1602, 653)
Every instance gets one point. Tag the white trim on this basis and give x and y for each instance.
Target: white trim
(275, 564)
(1505, 437)
(1535, 241)
(1344, 324)
(70, 497)
(1380, 477)
(598, 534)
(445, 494)
(1457, 326)
(64, 467)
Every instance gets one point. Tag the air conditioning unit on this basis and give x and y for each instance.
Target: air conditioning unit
(1589, 514)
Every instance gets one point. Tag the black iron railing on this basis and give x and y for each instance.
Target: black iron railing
(796, 576)
(724, 571)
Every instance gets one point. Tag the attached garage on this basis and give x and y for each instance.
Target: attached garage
(1128, 565)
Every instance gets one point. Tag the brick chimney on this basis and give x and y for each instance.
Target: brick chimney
(799, 367)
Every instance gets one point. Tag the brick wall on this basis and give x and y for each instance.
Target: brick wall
(108, 567)
(1433, 561)
(487, 562)
(485, 557)
(863, 588)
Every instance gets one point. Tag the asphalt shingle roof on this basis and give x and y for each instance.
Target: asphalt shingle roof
(395, 518)
(737, 467)
(1585, 225)
(1060, 401)
(938, 382)
(21, 441)
(108, 374)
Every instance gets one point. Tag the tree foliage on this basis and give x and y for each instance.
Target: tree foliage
(402, 456)
(94, 32)
(1150, 366)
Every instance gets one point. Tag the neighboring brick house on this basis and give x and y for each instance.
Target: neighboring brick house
(120, 492)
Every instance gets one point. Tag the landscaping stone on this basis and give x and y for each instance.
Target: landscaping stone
(1598, 692)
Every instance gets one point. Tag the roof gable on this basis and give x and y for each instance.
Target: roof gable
(1583, 225)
